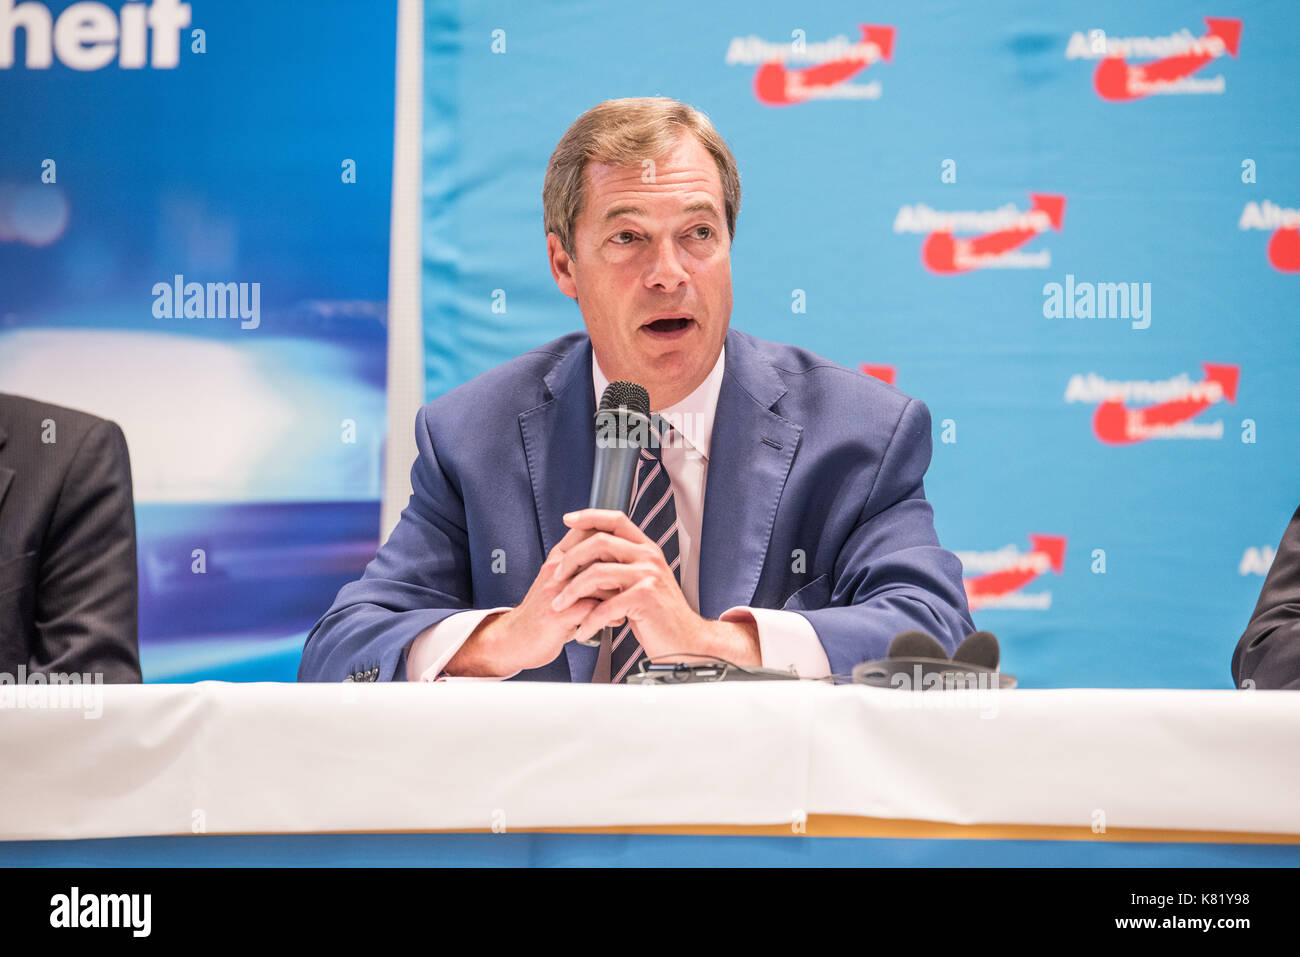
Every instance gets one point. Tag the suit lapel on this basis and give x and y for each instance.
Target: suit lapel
(560, 443)
(750, 456)
(560, 446)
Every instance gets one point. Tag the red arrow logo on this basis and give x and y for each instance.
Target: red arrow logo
(883, 373)
(777, 86)
(1284, 249)
(943, 253)
(1117, 81)
(1045, 551)
(1116, 425)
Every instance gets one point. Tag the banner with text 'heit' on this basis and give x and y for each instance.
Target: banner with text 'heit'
(194, 217)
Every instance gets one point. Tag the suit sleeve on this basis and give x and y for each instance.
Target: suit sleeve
(1268, 654)
(87, 599)
(891, 574)
(420, 576)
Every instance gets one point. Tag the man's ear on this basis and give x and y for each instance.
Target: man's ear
(561, 266)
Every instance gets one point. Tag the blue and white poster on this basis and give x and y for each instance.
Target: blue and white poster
(194, 227)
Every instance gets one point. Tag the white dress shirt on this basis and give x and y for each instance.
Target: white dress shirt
(786, 638)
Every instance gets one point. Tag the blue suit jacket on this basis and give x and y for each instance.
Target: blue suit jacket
(813, 503)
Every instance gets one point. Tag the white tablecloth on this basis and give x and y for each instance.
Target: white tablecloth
(266, 758)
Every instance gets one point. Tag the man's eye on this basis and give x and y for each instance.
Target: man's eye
(708, 232)
(624, 233)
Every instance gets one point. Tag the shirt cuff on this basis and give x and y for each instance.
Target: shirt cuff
(786, 640)
(438, 644)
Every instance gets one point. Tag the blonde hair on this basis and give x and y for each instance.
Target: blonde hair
(626, 132)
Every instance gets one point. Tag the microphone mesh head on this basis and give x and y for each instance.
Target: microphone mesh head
(916, 644)
(629, 395)
(980, 648)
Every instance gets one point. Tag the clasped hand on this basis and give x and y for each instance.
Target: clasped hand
(606, 557)
(604, 571)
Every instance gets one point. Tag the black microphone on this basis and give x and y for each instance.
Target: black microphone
(979, 648)
(911, 655)
(917, 661)
(622, 429)
(916, 644)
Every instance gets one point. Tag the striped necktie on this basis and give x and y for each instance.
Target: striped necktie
(654, 512)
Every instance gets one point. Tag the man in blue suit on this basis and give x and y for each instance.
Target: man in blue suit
(811, 548)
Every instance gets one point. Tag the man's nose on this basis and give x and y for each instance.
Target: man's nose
(666, 270)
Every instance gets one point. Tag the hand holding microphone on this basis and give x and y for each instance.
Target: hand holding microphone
(623, 428)
(534, 632)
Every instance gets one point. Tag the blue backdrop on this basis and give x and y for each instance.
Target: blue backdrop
(947, 186)
(251, 145)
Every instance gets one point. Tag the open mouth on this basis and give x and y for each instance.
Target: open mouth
(668, 326)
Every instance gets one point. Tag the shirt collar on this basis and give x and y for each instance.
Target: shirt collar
(692, 417)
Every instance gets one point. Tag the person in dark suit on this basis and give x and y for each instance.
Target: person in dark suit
(813, 546)
(68, 601)
(1268, 654)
